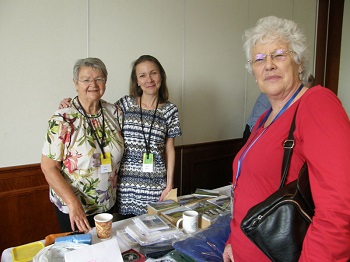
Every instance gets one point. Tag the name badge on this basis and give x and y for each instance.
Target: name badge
(106, 163)
(147, 163)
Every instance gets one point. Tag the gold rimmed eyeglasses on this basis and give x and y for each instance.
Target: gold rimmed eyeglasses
(278, 55)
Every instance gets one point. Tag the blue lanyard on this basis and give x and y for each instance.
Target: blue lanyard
(250, 145)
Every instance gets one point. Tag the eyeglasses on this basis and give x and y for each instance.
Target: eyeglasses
(99, 81)
(277, 56)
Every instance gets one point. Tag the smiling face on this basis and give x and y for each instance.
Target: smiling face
(90, 85)
(276, 77)
(148, 78)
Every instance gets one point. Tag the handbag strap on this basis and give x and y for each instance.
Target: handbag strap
(288, 146)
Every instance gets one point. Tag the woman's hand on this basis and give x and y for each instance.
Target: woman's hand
(78, 218)
(165, 192)
(51, 170)
(65, 103)
(227, 254)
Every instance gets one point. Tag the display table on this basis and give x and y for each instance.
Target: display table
(7, 257)
(213, 236)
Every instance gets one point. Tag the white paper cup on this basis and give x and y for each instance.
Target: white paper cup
(103, 224)
(189, 221)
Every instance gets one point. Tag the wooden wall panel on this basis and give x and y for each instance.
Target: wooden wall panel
(208, 165)
(26, 212)
(177, 171)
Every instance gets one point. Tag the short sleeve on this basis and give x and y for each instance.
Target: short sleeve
(57, 135)
(173, 122)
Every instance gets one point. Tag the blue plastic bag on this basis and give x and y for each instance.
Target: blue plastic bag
(209, 244)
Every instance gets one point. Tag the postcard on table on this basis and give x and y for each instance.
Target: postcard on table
(106, 251)
(200, 192)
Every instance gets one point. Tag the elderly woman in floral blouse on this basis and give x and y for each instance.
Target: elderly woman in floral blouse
(82, 151)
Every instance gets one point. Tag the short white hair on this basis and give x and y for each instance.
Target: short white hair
(271, 29)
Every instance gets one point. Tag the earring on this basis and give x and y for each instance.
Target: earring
(300, 73)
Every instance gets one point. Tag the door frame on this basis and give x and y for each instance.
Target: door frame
(328, 43)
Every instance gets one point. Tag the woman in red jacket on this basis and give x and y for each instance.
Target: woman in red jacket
(276, 50)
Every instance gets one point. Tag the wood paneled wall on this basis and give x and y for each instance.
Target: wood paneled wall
(27, 215)
(208, 165)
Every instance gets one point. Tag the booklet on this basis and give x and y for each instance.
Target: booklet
(206, 193)
(156, 207)
(221, 201)
(150, 223)
(203, 206)
(188, 199)
(174, 214)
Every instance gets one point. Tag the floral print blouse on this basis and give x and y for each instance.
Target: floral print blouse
(70, 140)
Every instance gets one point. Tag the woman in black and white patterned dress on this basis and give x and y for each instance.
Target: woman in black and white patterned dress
(150, 124)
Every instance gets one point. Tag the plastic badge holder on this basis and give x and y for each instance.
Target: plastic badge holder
(26, 252)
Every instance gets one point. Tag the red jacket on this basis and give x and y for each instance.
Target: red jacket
(322, 139)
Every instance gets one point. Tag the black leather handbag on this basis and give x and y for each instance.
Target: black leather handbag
(278, 224)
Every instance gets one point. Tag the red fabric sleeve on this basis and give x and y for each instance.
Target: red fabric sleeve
(323, 128)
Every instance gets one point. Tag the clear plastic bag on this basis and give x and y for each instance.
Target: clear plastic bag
(143, 237)
(55, 252)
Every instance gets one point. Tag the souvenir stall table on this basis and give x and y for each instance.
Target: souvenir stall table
(205, 245)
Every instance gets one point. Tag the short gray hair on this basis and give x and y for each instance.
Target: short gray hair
(89, 62)
(270, 29)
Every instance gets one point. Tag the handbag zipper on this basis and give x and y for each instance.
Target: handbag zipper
(256, 220)
(259, 217)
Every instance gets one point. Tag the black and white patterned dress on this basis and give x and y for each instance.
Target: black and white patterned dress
(136, 188)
